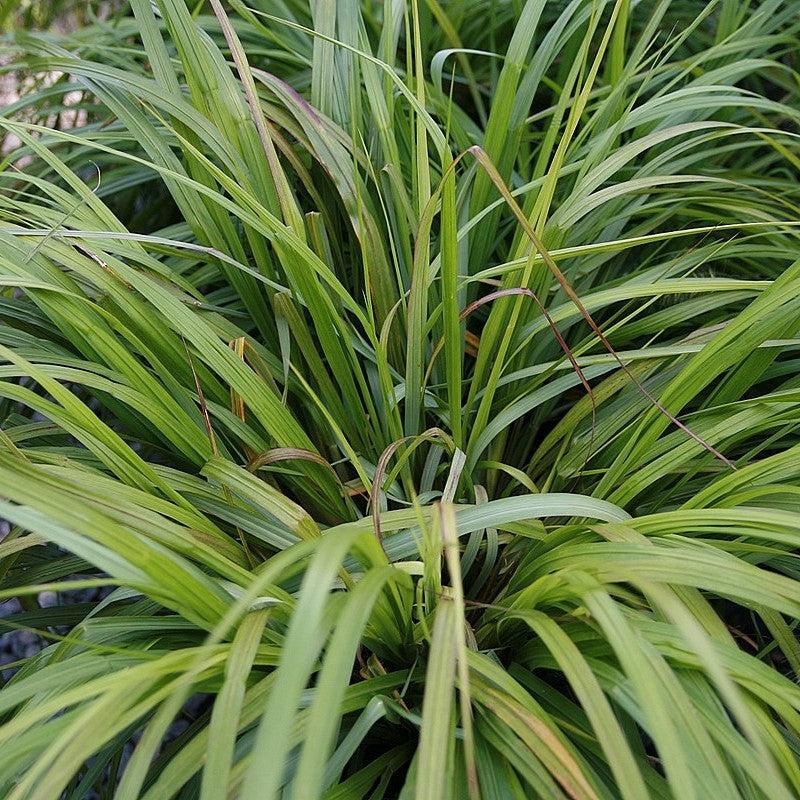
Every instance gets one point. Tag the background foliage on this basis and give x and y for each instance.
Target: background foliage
(416, 387)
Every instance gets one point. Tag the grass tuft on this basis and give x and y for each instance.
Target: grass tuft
(408, 393)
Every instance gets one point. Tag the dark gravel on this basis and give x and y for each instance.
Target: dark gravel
(14, 645)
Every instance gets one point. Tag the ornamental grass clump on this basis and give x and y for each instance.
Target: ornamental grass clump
(408, 393)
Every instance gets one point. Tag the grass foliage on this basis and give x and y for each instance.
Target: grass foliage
(420, 383)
